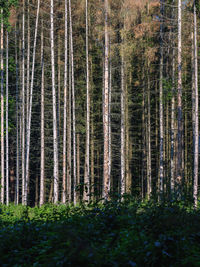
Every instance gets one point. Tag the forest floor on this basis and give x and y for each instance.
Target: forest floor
(114, 234)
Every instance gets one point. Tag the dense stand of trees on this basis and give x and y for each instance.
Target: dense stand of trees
(99, 99)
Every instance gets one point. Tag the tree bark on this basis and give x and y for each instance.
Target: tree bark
(106, 182)
(73, 105)
(65, 106)
(7, 143)
(86, 194)
(196, 128)
(42, 163)
(55, 133)
(2, 113)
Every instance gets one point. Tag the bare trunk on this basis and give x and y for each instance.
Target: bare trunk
(55, 133)
(42, 120)
(73, 105)
(196, 130)
(78, 167)
(106, 182)
(24, 196)
(7, 144)
(179, 102)
(65, 107)
(161, 107)
(123, 182)
(86, 195)
(149, 181)
(2, 113)
(17, 124)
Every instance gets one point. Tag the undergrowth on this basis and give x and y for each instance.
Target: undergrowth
(113, 234)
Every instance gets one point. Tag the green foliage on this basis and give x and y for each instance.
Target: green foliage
(114, 234)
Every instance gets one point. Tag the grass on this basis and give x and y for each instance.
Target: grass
(115, 234)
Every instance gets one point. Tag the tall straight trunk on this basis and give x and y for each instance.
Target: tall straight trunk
(144, 141)
(23, 105)
(2, 113)
(122, 182)
(65, 107)
(92, 159)
(106, 182)
(161, 106)
(149, 180)
(78, 165)
(28, 63)
(17, 123)
(86, 195)
(172, 180)
(73, 104)
(196, 129)
(42, 162)
(30, 106)
(7, 144)
(55, 133)
(109, 118)
(69, 133)
(179, 101)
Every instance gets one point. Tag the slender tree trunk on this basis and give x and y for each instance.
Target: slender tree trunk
(73, 105)
(196, 130)
(2, 113)
(86, 195)
(92, 160)
(17, 123)
(69, 134)
(123, 182)
(7, 144)
(28, 63)
(78, 167)
(179, 102)
(109, 118)
(65, 106)
(42, 163)
(149, 180)
(172, 181)
(30, 105)
(161, 106)
(106, 182)
(55, 133)
(24, 196)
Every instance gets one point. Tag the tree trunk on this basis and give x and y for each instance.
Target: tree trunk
(24, 196)
(55, 133)
(65, 107)
(73, 104)
(161, 107)
(122, 182)
(196, 129)
(2, 113)
(149, 182)
(42, 163)
(179, 103)
(7, 144)
(17, 123)
(106, 182)
(86, 193)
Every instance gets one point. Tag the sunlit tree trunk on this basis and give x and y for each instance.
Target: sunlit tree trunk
(106, 178)
(123, 183)
(73, 105)
(87, 152)
(24, 196)
(2, 112)
(161, 106)
(65, 107)
(196, 128)
(55, 133)
(179, 102)
(7, 144)
(30, 105)
(17, 123)
(42, 163)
